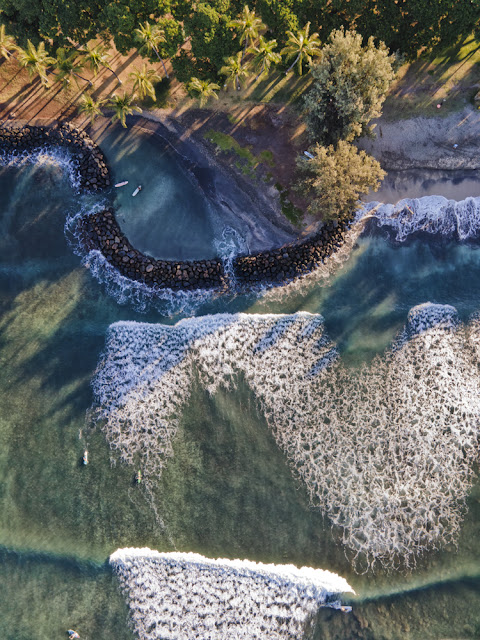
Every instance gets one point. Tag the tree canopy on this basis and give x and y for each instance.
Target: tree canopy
(335, 178)
(350, 82)
(408, 26)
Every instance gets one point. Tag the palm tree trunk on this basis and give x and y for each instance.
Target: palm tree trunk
(77, 75)
(261, 71)
(244, 51)
(114, 73)
(292, 65)
(163, 64)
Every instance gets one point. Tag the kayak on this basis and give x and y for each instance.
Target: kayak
(121, 184)
(139, 188)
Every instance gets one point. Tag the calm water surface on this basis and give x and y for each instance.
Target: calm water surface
(228, 490)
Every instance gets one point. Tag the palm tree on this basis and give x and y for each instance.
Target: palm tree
(249, 27)
(264, 55)
(203, 90)
(151, 36)
(234, 71)
(68, 68)
(123, 107)
(97, 57)
(144, 79)
(7, 43)
(36, 60)
(302, 47)
(90, 107)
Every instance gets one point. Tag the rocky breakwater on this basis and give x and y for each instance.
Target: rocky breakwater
(291, 261)
(88, 162)
(100, 231)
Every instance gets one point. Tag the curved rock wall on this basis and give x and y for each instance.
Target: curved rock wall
(100, 231)
(87, 158)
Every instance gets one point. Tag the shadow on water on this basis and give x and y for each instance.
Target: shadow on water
(228, 491)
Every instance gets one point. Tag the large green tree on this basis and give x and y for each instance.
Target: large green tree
(7, 43)
(211, 39)
(264, 56)
(143, 81)
(350, 82)
(122, 106)
(279, 17)
(408, 26)
(248, 26)
(335, 178)
(68, 66)
(80, 20)
(150, 37)
(203, 90)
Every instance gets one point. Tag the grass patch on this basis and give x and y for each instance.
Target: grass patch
(267, 158)
(289, 210)
(247, 161)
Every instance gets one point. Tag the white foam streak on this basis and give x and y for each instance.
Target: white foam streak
(181, 596)
(386, 452)
(321, 274)
(45, 155)
(430, 214)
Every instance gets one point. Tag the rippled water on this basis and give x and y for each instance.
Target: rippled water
(228, 490)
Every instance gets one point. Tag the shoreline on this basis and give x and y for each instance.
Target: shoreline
(100, 231)
(427, 143)
(271, 266)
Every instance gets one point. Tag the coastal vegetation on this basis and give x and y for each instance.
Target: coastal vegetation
(333, 64)
(335, 177)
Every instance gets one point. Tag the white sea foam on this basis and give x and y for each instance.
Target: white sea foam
(386, 452)
(45, 155)
(430, 214)
(181, 596)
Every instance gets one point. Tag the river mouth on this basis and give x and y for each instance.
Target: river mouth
(417, 183)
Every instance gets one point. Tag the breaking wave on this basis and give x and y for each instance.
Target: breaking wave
(385, 451)
(46, 155)
(181, 596)
(430, 214)
(125, 290)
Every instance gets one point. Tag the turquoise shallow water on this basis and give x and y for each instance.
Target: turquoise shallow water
(169, 218)
(228, 491)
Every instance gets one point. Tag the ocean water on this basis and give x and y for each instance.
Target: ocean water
(228, 489)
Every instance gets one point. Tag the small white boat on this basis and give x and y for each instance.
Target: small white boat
(121, 184)
(308, 154)
(72, 634)
(85, 457)
(139, 188)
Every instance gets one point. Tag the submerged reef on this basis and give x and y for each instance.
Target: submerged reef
(386, 451)
(181, 596)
